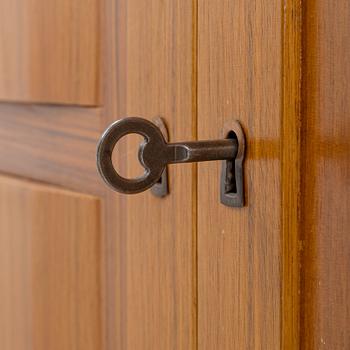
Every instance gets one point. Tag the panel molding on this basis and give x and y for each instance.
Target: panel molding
(325, 200)
(291, 172)
(52, 144)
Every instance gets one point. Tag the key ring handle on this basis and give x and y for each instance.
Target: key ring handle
(154, 142)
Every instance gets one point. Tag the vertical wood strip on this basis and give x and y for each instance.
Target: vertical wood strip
(240, 249)
(113, 106)
(150, 71)
(290, 172)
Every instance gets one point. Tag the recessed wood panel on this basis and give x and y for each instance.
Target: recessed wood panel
(50, 262)
(49, 51)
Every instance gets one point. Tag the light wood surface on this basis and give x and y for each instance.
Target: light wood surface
(49, 51)
(93, 269)
(50, 261)
(248, 70)
(52, 144)
(151, 288)
(325, 288)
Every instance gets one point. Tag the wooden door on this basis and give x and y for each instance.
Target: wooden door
(82, 267)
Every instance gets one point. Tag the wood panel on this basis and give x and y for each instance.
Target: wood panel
(50, 262)
(52, 144)
(291, 173)
(325, 287)
(151, 288)
(248, 69)
(49, 51)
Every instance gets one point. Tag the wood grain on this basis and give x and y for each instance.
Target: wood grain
(248, 60)
(325, 200)
(49, 268)
(52, 144)
(151, 292)
(49, 51)
(291, 154)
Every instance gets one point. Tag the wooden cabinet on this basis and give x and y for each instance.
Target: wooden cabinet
(82, 267)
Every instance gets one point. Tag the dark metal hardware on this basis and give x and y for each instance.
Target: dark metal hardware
(155, 153)
(231, 184)
(160, 188)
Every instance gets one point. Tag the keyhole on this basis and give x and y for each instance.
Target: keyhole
(230, 181)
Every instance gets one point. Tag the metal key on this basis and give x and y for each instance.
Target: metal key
(154, 153)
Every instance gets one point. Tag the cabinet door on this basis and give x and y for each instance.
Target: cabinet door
(82, 267)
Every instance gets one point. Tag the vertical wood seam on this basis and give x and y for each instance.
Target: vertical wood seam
(195, 172)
